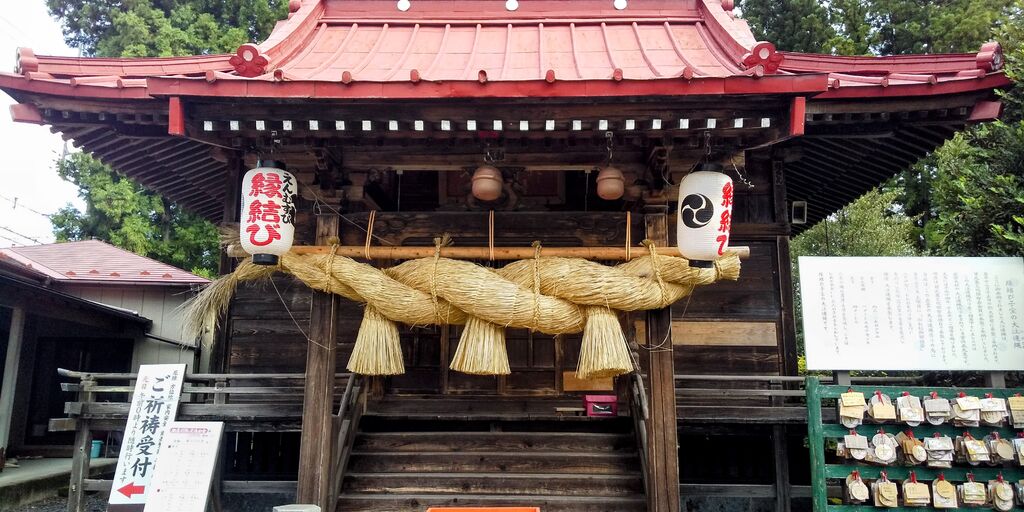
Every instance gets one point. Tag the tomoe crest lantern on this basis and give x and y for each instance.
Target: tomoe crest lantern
(267, 226)
(704, 219)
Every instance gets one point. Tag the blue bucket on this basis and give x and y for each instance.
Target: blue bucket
(97, 449)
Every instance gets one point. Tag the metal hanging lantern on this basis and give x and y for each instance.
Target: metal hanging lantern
(267, 227)
(704, 219)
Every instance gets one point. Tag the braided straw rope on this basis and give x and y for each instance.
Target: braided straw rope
(549, 295)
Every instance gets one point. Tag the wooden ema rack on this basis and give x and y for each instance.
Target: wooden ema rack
(823, 472)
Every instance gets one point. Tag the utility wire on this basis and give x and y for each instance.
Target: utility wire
(13, 241)
(19, 234)
(23, 205)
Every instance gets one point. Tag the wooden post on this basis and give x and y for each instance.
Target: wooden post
(782, 487)
(787, 345)
(819, 496)
(316, 448)
(214, 359)
(662, 440)
(7, 387)
(81, 452)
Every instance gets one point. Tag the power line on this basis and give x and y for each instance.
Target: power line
(23, 205)
(13, 241)
(19, 234)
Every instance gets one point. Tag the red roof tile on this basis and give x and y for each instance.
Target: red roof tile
(98, 262)
(372, 49)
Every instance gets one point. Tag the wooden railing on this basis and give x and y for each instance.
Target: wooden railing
(638, 410)
(244, 402)
(346, 425)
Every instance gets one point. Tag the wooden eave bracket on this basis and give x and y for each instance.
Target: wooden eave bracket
(26, 113)
(797, 119)
(175, 117)
(986, 110)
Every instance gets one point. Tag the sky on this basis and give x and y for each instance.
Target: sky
(29, 185)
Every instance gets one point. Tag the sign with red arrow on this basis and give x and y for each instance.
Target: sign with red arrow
(154, 406)
(132, 489)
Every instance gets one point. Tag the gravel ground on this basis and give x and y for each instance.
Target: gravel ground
(232, 503)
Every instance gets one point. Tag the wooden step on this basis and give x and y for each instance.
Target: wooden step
(420, 502)
(492, 442)
(477, 408)
(531, 484)
(496, 462)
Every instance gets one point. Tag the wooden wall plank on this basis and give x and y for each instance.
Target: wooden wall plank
(759, 334)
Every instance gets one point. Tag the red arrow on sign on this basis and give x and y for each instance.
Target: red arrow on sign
(132, 489)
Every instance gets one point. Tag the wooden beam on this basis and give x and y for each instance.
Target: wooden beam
(662, 441)
(500, 253)
(316, 448)
(7, 387)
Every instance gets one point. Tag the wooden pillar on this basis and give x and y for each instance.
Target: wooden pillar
(787, 341)
(214, 358)
(782, 484)
(316, 449)
(81, 453)
(662, 440)
(7, 387)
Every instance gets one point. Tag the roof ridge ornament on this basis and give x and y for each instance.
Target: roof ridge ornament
(990, 57)
(763, 55)
(248, 61)
(25, 61)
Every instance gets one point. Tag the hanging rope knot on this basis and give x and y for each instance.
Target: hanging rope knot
(536, 283)
(329, 262)
(439, 243)
(657, 270)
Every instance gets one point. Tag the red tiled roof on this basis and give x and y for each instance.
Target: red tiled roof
(94, 261)
(370, 48)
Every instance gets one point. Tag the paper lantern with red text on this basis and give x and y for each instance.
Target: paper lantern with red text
(705, 216)
(267, 226)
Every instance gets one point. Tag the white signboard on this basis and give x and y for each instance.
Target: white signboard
(188, 457)
(154, 406)
(913, 313)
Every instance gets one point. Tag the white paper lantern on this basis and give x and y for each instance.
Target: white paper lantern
(705, 215)
(267, 226)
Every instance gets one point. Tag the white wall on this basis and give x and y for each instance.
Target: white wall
(157, 303)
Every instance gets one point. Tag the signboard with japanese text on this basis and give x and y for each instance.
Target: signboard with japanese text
(188, 459)
(913, 313)
(154, 406)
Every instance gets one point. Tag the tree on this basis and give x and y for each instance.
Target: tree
(869, 226)
(118, 210)
(164, 27)
(792, 25)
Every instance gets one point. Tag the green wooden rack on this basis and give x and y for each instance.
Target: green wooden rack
(818, 433)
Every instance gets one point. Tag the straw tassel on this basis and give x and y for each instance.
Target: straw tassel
(378, 350)
(481, 349)
(603, 352)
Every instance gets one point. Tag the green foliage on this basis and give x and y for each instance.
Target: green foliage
(793, 25)
(118, 210)
(934, 26)
(164, 28)
(870, 226)
(126, 215)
